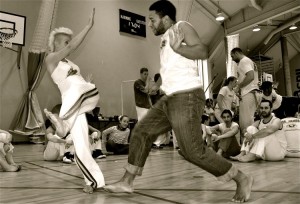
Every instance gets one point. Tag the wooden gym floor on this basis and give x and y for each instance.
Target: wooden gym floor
(167, 178)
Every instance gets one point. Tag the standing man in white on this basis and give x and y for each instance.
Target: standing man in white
(248, 86)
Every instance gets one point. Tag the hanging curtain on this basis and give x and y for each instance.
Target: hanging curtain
(29, 119)
(232, 41)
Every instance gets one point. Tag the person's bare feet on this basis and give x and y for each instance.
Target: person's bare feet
(236, 158)
(119, 187)
(61, 129)
(88, 189)
(243, 189)
(247, 158)
(12, 168)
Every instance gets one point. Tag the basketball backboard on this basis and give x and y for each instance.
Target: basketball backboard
(14, 21)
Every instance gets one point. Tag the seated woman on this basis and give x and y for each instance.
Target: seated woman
(225, 144)
(115, 138)
(6, 153)
(58, 148)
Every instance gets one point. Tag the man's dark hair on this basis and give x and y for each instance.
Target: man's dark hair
(226, 111)
(267, 101)
(164, 8)
(144, 69)
(266, 85)
(237, 50)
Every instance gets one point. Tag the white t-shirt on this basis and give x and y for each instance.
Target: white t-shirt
(274, 98)
(222, 127)
(177, 72)
(228, 98)
(245, 65)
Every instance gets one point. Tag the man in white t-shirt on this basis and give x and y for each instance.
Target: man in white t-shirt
(248, 86)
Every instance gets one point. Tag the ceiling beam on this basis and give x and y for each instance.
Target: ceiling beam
(282, 27)
(217, 7)
(255, 5)
(262, 48)
(207, 13)
(289, 7)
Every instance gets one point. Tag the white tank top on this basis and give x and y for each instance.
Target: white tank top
(177, 72)
(279, 133)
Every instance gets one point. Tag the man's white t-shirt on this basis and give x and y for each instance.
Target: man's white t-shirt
(245, 65)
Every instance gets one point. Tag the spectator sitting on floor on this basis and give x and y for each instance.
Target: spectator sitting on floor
(265, 139)
(58, 148)
(225, 144)
(209, 110)
(115, 138)
(6, 153)
(268, 93)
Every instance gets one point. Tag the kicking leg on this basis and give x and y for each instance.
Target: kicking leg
(60, 125)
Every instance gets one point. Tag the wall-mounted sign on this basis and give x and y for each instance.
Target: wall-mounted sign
(132, 23)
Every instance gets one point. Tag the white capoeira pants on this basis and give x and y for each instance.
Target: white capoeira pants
(271, 148)
(247, 109)
(83, 158)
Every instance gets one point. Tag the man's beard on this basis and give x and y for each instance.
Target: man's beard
(265, 114)
(237, 60)
(160, 29)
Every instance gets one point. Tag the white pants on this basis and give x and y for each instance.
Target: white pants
(84, 160)
(95, 145)
(271, 148)
(247, 109)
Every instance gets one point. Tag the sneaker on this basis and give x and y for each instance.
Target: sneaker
(67, 161)
(101, 156)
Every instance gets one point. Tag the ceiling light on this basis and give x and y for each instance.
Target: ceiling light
(220, 16)
(256, 28)
(293, 27)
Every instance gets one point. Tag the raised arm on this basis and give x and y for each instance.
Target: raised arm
(53, 58)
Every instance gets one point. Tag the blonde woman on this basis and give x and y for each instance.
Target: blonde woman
(78, 97)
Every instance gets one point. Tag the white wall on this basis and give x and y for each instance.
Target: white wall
(110, 56)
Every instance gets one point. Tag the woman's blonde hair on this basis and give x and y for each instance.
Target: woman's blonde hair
(60, 30)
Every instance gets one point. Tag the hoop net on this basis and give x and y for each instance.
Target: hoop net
(6, 36)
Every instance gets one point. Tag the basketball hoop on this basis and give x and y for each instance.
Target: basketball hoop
(6, 36)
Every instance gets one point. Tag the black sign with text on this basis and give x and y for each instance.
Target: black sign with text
(132, 23)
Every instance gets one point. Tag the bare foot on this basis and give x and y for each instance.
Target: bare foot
(88, 189)
(247, 158)
(243, 189)
(61, 129)
(119, 187)
(12, 168)
(236, 158)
